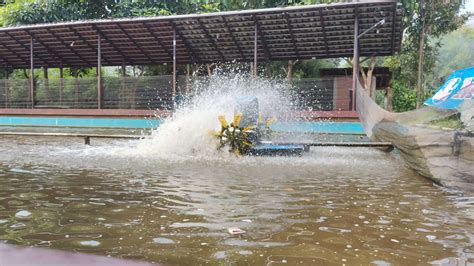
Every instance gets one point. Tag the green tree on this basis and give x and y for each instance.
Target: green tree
(423, 23)
(455, 53)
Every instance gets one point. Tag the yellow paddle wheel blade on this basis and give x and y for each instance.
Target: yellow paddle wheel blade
(224, 123)
(237, 119)
(261, 120)
(215, 133)
(271, 121)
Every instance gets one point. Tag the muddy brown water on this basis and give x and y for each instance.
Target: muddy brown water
(352, 206)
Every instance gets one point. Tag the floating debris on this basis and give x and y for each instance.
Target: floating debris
(23, 214)
(245, 252)
(90, 243)
(18, 225)
(163, 240)
(235, 231)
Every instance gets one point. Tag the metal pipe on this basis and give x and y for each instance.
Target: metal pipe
(32, 73)
(99, 73)
(355, 63)
(376, 25)
(173, 95)
(255, 46)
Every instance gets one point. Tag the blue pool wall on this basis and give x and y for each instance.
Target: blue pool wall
(137, 123)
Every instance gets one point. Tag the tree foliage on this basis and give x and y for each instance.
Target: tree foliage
(435, 18)
(455, 52)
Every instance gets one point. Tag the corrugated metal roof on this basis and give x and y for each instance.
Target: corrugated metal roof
(302, 32)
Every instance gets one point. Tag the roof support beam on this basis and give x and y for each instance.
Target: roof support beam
(54, 54)
(6, 61)
(323, 26)
(86, 42)
(355, 63)
(208, 35)
(135, 43)
(24, 46)
(191, 52)
(266, 52)
(290, 29)
(99, 31)
(68, 46)
(233, 38)
(153, 34)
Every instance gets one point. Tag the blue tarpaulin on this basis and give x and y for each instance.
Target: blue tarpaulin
(457, 88)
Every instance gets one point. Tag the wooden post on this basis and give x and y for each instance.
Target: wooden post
(7, 89)
(47, 97)
(61, 83)
(355, 63)
(289, 71)
(173, 95)
(188, 73)
(122, 95)
(99, 73)
(32, 74)
(124, 69)
(255, 46)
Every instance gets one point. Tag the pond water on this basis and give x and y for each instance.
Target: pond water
(330, 206)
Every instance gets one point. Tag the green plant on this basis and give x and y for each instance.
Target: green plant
(404, 98)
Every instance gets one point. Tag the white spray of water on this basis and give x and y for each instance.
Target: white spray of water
(186, 133)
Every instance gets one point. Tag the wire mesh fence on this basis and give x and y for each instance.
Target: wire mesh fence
(148, 92)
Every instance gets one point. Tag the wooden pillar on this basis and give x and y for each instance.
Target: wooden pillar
(99, 73)
(173, 94)
(355, 63)
(32, 74)
(255, 46)
(61, 83)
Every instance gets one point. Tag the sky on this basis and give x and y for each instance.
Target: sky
(469, 6)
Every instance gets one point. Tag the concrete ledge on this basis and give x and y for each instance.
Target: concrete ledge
(336, 115)
(307, 115)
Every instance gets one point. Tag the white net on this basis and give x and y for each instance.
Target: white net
(443, 154)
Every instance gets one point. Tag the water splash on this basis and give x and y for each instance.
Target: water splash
(186, 133)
